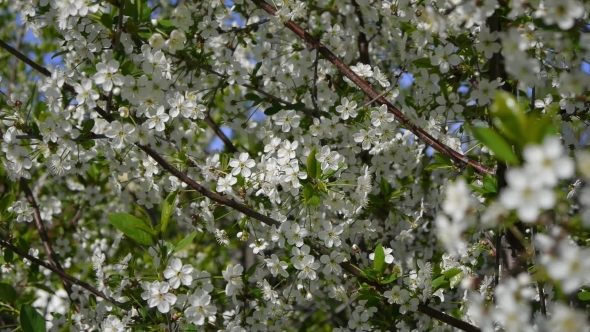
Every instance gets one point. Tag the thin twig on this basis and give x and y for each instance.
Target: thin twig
(314, 91)
(116, 47)
(25, 59)
(43, 232)
(244, 28)
(228, 143)
(63, 275)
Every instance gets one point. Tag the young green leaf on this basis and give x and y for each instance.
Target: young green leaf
(389, 279)
(490, 138)
(584, 296)
(167, 209)
(7, 293)
(132, 227)
(185, 242)
(31, 320)
(311, 196)
(385, 187)
(490, 184)
(379, 259)
(5, 203)
(314, 169)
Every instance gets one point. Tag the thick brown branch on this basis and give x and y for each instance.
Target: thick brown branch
(368, 89)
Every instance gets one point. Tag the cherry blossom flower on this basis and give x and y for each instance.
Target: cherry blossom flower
(444, 57)
(330, 234)
(200, 308)
(107, 75)
(527, 194)
(86, 95)
(242, 165)
(307, 267)
(157, 295)
(277, 266)
(233, 276)
(287, 119)
(121, 134)
(547, 161)
(176, 273)
(158, 120)
(176, 41)
(362, 70)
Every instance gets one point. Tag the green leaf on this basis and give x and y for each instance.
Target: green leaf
(422, 63)
(132, 227)
(131, 10)
(389, 279)
(490, 138)
(509, 116)
(385, 187)
(399, 192)
(146, 11)
(166, 24)
(185, 242)
(379, 259)
(224, 160)
(434, 166)
(274, 109)
(314, 168)
(87, 126)
(31, 320)
(7, 293)
(310, 195)
(439, 283)
(441, 158)
(8, 255)
(371, 296)
(127, 67)
(60, 53)
(452, 272)
(5, 203)
(456, 279)
(584, 296)
(297, 107)
(256, 68)
(167, 210)
(370, 274)
(490, 183)
(107, 20)
(250, 271)
(252, 97)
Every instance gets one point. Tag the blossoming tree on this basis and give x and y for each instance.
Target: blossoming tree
(382, 165)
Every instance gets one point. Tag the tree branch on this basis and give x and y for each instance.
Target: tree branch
(63, 275)
(25, 59)
(43, 233)
(368, 89)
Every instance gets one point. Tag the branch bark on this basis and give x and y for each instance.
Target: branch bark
(62, 274)
(43, 233)
(372, 93)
